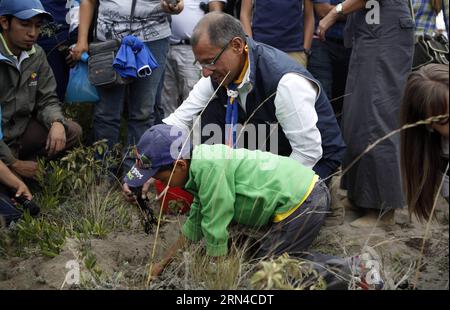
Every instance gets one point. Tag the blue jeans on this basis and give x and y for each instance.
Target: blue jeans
(139, 96)
(7, 210)
(329, 64)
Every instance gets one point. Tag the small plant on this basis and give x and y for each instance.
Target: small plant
(286, 273)
(51, 179)
(75, 199)
(48, 236)
(78, 170)
(5, 241)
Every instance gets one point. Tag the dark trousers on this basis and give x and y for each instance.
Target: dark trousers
(294, 235)
(8, 212)
(328, 63)
(32, 143)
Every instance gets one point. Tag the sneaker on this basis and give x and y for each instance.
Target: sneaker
(367, 270)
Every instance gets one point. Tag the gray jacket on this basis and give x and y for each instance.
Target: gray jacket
(25, 93)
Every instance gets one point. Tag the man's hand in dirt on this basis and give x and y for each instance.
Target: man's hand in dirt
(56, 139)
(170, 8)
(26, 169)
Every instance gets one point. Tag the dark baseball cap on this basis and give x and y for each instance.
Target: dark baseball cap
(23, 9)
(159, 146)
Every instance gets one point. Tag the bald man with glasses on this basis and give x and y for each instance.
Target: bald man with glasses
(282, 106)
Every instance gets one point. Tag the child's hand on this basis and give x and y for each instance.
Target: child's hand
(146, 187)
(157, 269)
(128, 194)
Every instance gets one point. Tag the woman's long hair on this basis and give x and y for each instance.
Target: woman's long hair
(426, 95)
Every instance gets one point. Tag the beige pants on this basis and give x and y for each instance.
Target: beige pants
(299, 57)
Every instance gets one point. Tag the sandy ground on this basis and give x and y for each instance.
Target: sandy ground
(124, 255)
(400, 245)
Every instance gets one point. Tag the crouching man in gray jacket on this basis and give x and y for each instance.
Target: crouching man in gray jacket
(32, 120)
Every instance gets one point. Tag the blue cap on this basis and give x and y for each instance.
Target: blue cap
(159, 146)
(23, 9)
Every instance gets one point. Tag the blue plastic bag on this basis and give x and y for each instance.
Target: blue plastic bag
(79, 89)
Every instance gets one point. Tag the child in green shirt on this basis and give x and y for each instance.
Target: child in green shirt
(251, 188)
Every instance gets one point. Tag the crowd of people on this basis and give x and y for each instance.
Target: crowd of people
(282, 96)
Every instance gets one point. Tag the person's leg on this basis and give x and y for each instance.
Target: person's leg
(7, 211)
(170, 93)
(340, 57)
(320, 66)
(158, 111)
(189, 74)
(33, 141)
(73, 134)
(356, 272)
(299, 57)
(142, 98)
(107, 114)
(296, 233)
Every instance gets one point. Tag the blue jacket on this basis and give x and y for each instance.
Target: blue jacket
(267, 66)
(134, 59)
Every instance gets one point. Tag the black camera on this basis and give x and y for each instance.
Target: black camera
(28, 205)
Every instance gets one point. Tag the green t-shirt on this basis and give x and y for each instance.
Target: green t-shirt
(243, 186)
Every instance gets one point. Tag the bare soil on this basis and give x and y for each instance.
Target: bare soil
(121, 258)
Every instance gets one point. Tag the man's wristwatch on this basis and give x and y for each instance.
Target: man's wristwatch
(60, 120)
(340, 9)
(307, 51)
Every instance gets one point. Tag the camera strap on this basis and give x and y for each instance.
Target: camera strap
(95, 17)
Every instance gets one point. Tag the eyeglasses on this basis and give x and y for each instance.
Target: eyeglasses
(443, 121)
(212, 64)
